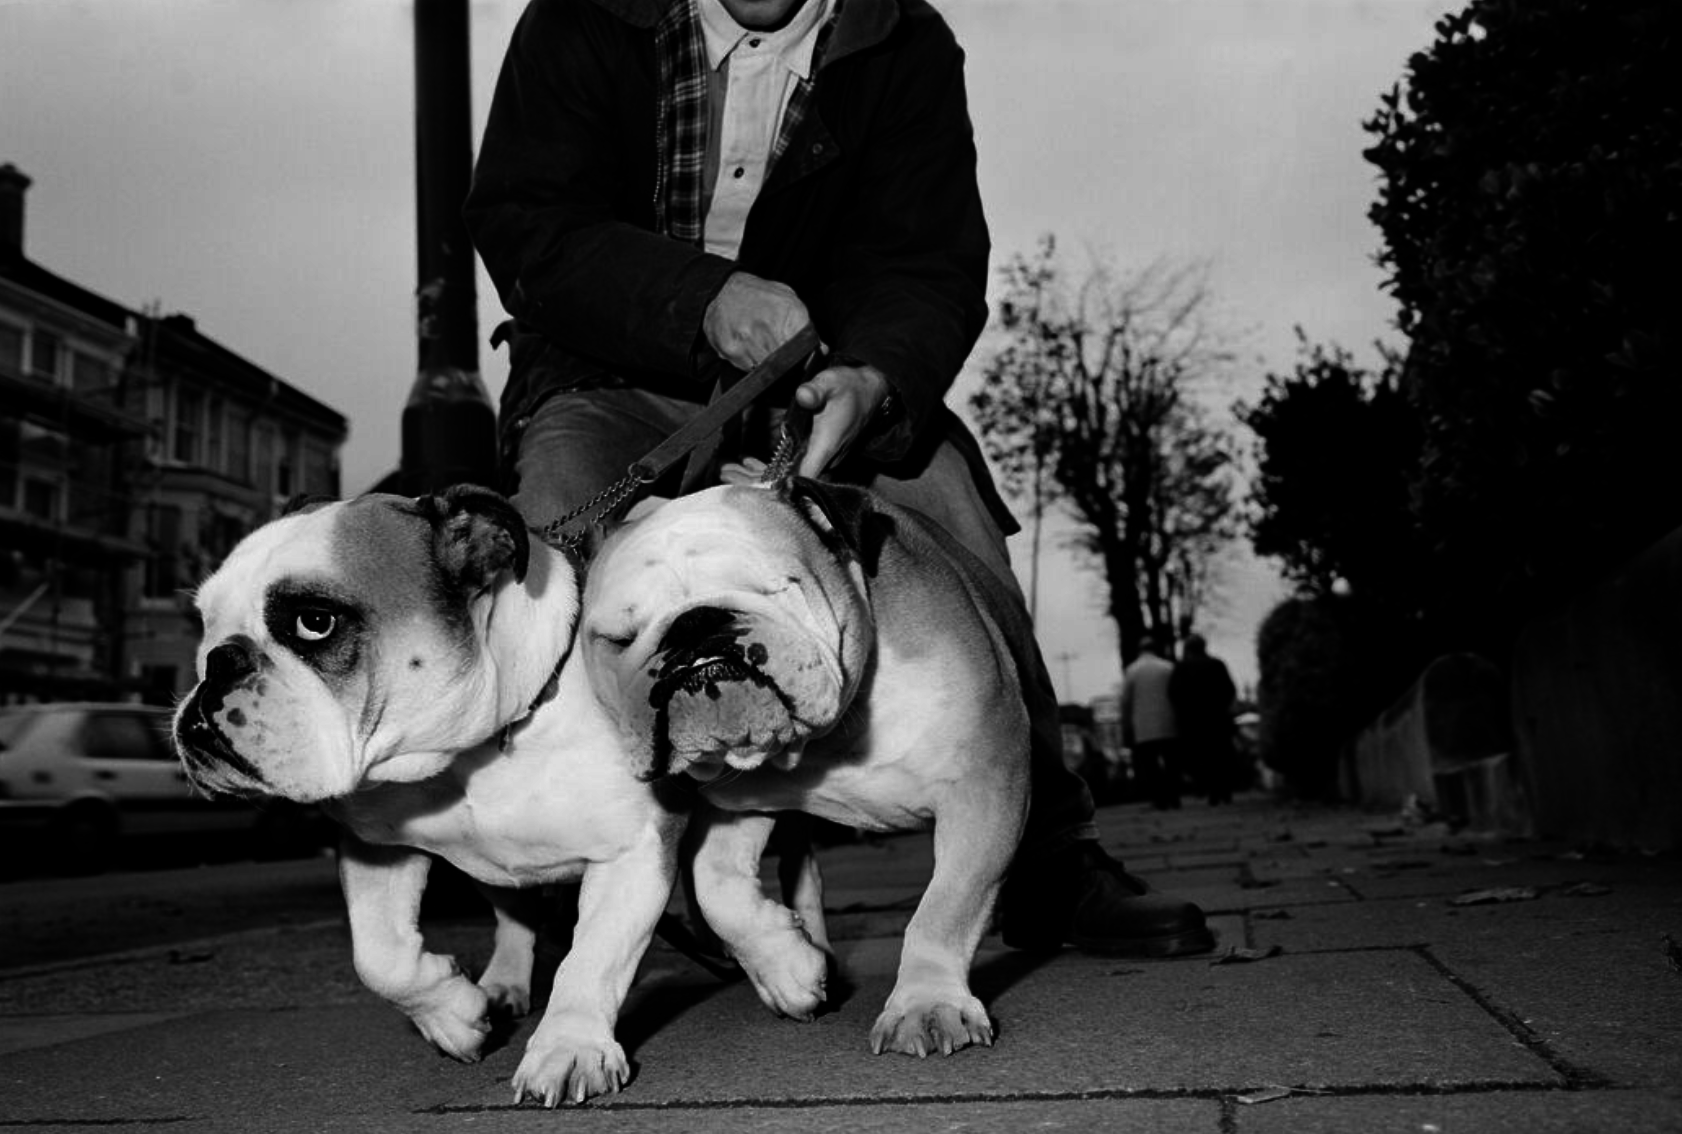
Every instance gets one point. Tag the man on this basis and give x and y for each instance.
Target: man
(1202, 693)
(666, 191)
(1148, 723)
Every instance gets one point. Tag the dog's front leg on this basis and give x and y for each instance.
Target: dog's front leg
(572, 1055)
(767, 938)
(383, 887)
(977, 827)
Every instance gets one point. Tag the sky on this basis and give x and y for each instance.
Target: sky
(251, 163)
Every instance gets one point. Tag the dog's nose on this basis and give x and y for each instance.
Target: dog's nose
(695, 626)
(232, 661)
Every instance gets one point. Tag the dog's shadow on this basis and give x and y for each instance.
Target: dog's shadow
(660, 998)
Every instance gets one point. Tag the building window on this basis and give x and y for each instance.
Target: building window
(11, 349)
(43, 499)
(88, 372)
(163, 566)
(286, 468)
(213, 437)
(43, 355)
(262, 465)
(189, 421)
(218, 534)
(239, 448)
(320, 476)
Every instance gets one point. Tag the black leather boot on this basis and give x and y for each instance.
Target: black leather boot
(1082, 897)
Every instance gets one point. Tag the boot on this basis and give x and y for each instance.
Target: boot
(1082, 897)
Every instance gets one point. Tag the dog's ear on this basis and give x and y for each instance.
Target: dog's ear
(843, 517)
(476, 535)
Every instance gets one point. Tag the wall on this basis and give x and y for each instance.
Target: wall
(1597, 708)
(1445, 746)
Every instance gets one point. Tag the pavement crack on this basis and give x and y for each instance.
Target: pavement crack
(1227, 1097)
(1575, 1077)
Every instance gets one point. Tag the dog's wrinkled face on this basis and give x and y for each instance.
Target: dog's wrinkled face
(343, 636)
(727, 628)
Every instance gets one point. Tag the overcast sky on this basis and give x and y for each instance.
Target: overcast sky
(250, 163)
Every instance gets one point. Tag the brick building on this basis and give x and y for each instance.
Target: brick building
(134, 452)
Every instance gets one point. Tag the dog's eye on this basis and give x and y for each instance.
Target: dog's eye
(315, 626)
(615, 642)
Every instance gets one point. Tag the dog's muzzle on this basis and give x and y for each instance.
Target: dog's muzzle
(702, 654)
(207, 755)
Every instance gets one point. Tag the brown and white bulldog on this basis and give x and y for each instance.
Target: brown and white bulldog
(809, 647)
(406, 663)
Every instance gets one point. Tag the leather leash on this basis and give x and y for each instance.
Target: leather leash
(709, 421)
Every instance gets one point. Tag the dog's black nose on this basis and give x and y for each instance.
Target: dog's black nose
(697, 626)
(231, 662)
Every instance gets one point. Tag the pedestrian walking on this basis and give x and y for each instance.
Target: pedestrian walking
(1202, 694)
(1148, 724)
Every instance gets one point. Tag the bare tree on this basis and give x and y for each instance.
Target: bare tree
(1089, 403)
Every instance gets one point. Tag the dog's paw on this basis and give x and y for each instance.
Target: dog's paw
(568, 1069)
(511, 999)
(789, 973)
(921, 1026)
(455, 1018)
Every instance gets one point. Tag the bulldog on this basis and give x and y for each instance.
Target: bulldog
(807, 646)
(408, 665)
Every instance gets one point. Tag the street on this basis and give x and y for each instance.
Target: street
(51, 920)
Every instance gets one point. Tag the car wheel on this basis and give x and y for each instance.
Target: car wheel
(83, 838)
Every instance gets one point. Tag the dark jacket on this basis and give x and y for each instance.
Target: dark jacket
(1202, 693)
(872, 214)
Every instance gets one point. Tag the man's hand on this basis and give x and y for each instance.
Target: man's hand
(750, 317)
(842, 399)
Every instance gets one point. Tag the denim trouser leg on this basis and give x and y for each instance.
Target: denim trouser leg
(579, 442)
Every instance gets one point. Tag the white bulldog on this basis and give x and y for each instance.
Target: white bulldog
(810, 647)
(407, 663)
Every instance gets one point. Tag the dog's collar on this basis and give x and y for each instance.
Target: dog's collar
(544, 695)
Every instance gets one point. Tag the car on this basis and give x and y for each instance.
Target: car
(87, 775)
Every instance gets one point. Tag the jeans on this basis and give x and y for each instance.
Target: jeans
(577, 442)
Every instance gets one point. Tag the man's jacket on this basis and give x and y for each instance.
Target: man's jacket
(872, 214)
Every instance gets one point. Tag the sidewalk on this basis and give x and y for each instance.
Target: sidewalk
(1379, 999)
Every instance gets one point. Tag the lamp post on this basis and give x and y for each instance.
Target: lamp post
(449, 426)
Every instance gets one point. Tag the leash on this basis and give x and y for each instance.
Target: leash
(710, 420)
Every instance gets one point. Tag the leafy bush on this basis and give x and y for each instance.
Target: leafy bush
(1532, 175)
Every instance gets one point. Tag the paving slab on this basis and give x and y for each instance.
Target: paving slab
(1078, 1025)
(1121, 1116)
(1588, 976)
(1495, 1112)
(1073, 1116)
(316, 1062)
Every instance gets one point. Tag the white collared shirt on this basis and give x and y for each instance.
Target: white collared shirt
(761, 70)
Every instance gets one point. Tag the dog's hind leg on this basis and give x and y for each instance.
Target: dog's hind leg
(769, 940)
(931, 1008)
(798, 874)
(507, 977)
(573, 1055)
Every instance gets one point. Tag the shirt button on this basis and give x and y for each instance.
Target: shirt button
(817, 147)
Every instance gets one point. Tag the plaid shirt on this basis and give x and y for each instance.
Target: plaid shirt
(681, 117)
